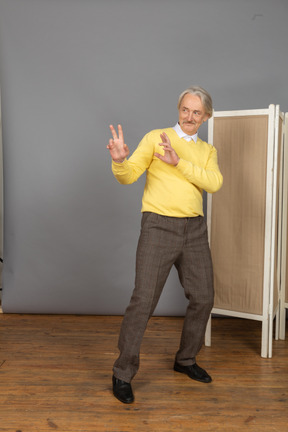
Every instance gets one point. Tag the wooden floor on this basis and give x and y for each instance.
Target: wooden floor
(55, 375)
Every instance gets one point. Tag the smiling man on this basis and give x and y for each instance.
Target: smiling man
(179, 166)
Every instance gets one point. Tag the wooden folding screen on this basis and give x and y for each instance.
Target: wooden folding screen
(284, 248)
(243, 217)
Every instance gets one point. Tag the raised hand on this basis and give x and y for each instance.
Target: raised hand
(117, 148)
(170, 156)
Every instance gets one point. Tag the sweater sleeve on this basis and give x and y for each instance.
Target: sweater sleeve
(208, 177)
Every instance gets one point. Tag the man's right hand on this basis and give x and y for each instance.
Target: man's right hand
(117, 148)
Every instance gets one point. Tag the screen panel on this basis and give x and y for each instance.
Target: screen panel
(277, 260)
(286, 285)
(285, 296)
(238, 216)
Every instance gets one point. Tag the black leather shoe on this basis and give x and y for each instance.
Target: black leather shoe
(194, 372)
(122, 390)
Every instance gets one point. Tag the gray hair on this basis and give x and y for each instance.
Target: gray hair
(204, 96)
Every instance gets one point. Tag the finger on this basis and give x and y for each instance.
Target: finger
(111, 143)
(158, 155)
(166, 146)
(120, 132)
(166, 138)
(114, 134)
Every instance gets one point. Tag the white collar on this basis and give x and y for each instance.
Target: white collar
(182, 134)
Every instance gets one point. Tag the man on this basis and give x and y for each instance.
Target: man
(173, 232)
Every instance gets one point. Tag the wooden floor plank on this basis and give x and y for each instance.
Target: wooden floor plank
(55, 375)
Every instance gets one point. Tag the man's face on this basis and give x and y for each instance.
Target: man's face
(191, 114)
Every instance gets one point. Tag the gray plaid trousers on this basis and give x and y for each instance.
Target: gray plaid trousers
(165, 241)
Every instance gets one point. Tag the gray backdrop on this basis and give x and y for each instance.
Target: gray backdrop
(68, 69)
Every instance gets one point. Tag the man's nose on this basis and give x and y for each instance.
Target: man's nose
(190, 116)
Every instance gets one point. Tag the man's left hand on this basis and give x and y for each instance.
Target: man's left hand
(170, 156)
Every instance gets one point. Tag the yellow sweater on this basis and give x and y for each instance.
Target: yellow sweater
(169, 190)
